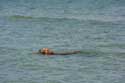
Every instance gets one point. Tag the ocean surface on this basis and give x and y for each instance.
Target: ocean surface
(95, 27)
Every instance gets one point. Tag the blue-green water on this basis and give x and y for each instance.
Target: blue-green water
(96, 27)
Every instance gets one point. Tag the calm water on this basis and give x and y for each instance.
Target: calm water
(96, 27)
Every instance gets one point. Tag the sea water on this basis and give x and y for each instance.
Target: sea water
(95, 27)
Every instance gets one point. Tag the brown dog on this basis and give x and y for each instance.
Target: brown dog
(47, 51)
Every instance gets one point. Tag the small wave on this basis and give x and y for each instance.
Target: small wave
(119, 45)
(92, 52)
(44, 18)
(21, 17)
(102, 53)
(87, 19)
